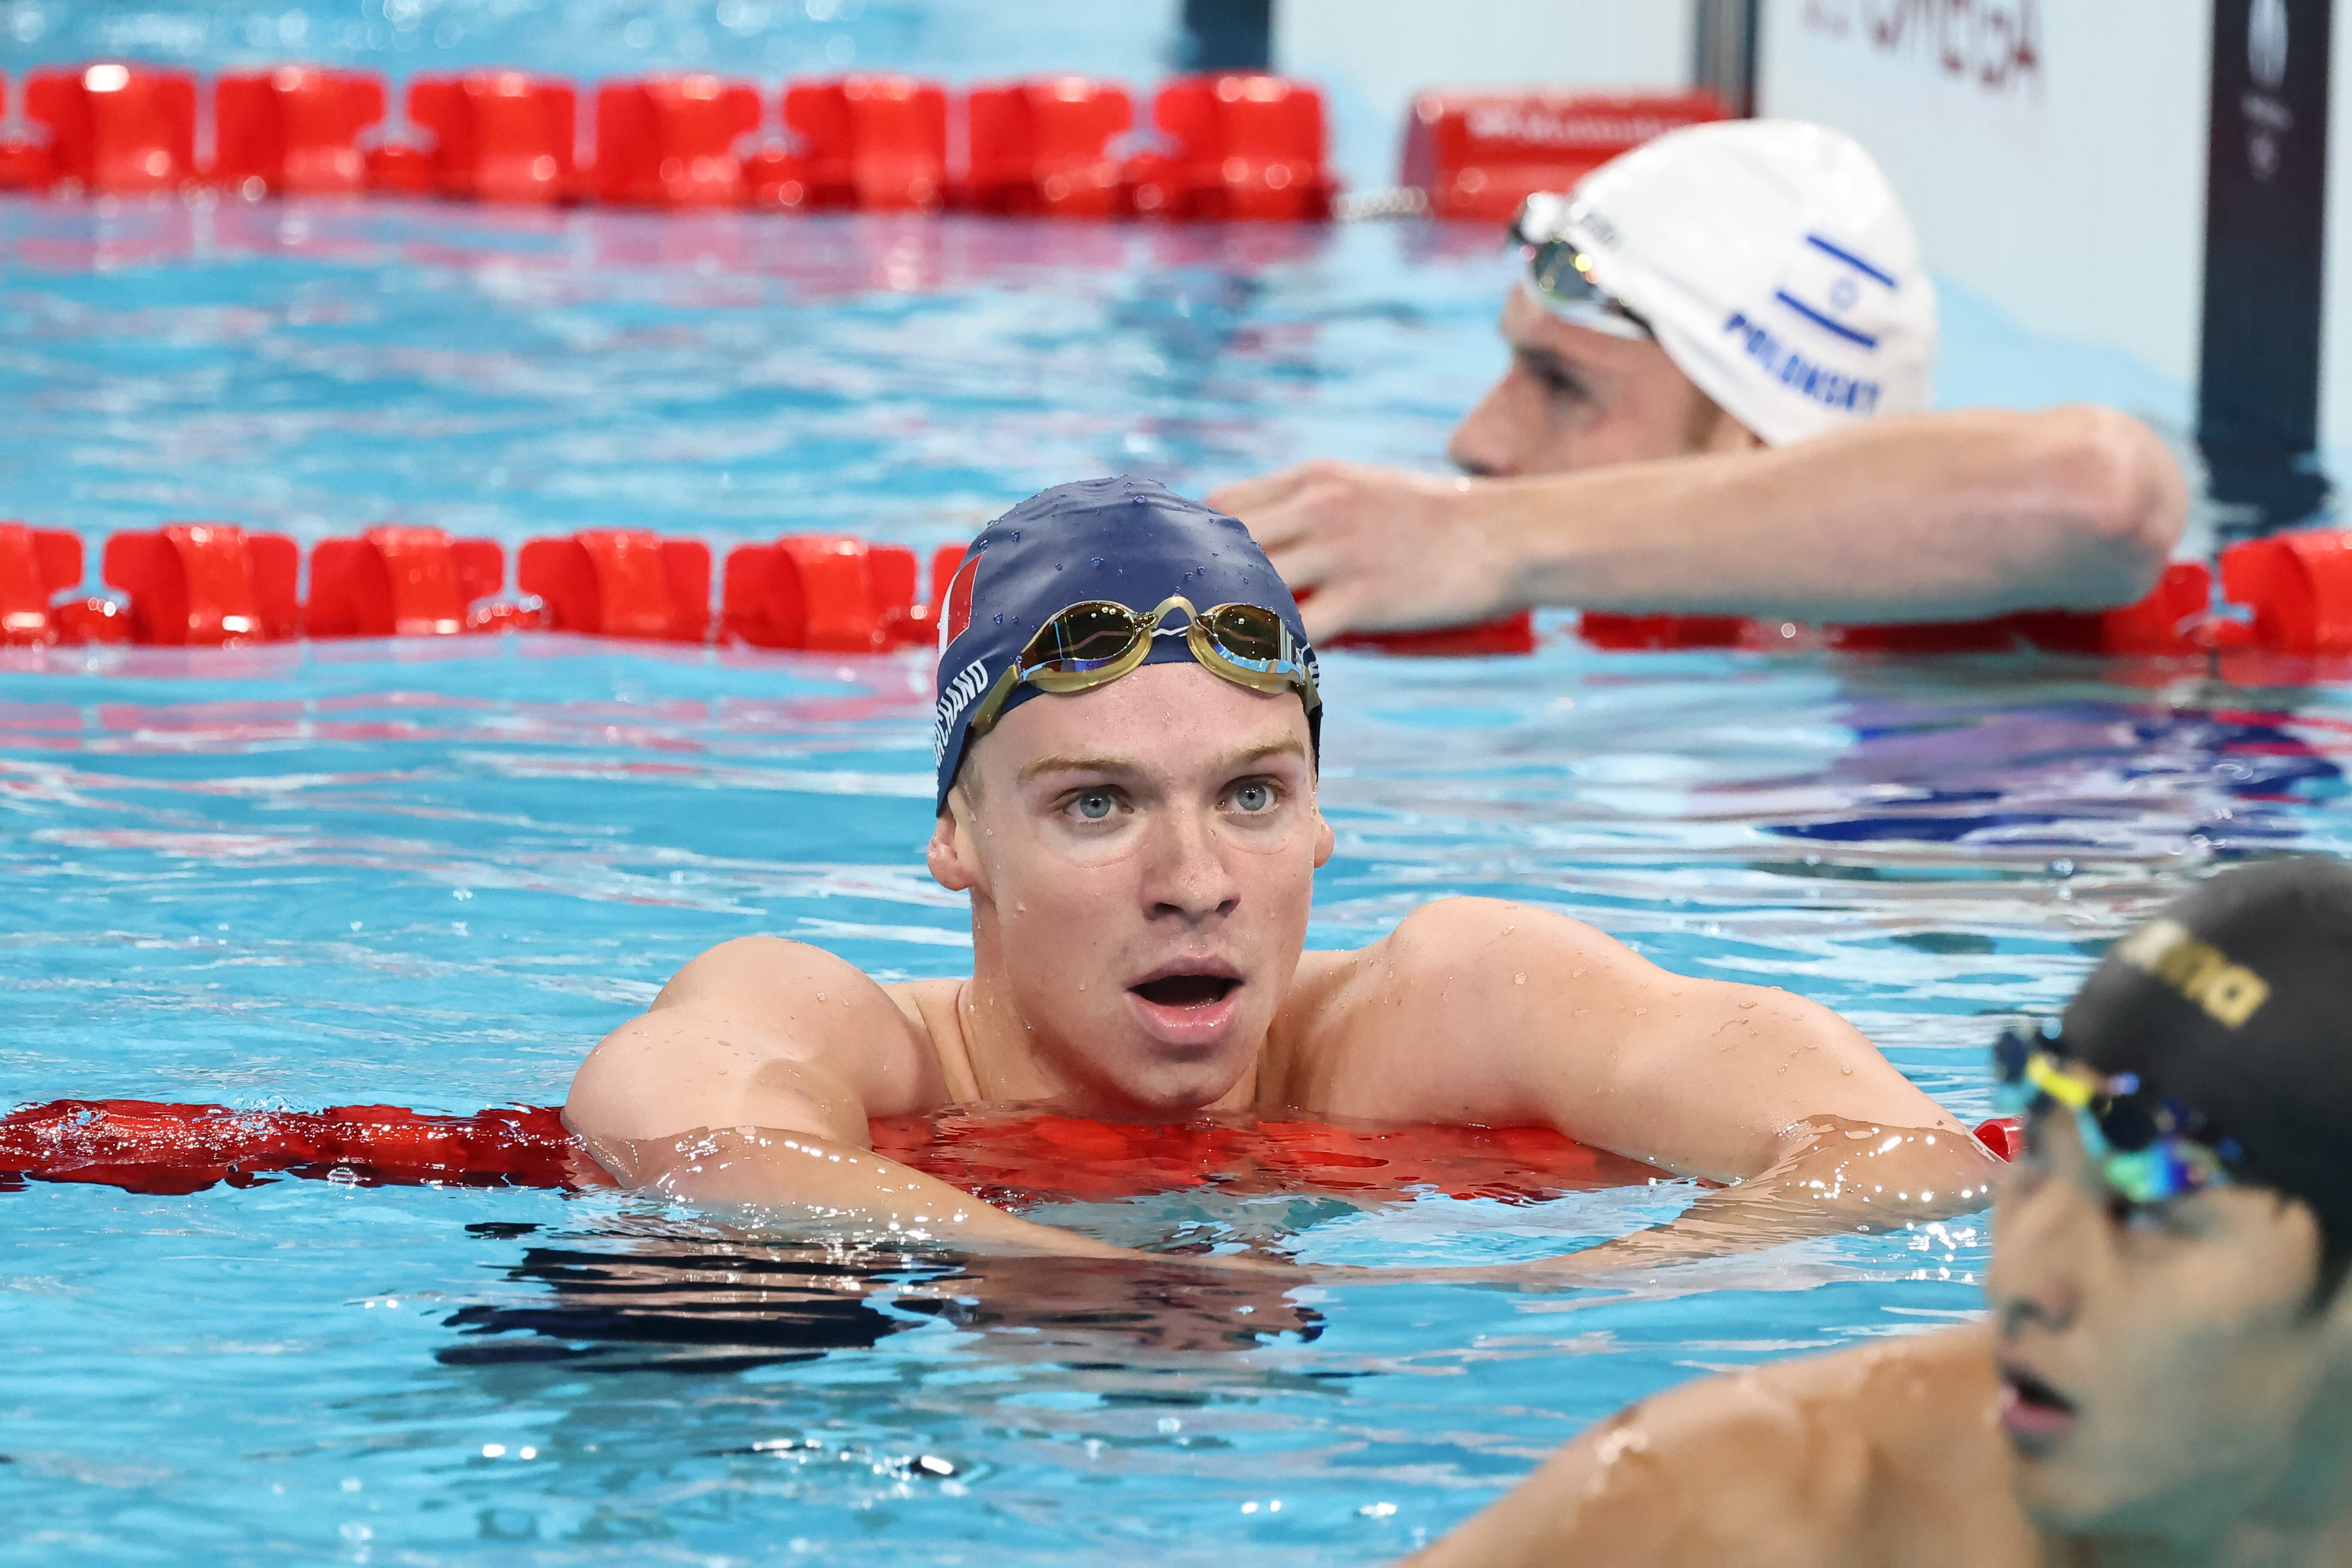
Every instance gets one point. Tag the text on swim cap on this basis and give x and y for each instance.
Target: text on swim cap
(961, 693)
(2197, 970)
(1798, 373)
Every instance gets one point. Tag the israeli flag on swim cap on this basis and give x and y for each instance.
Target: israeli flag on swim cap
(1129, 541)
(1776, 267)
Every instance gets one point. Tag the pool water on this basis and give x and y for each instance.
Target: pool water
(433, 874)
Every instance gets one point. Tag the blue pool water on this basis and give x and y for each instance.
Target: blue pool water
(431, 875)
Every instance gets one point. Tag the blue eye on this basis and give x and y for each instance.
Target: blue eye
(1095, 805)
(1253, 797)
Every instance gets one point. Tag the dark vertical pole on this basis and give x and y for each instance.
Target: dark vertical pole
(1723, 40)
(1227, 35)
(2265, 209)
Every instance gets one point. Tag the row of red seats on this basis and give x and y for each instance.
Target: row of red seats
(1241, 147)
(202, 584)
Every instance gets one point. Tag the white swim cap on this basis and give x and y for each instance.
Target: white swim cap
(1773, 264)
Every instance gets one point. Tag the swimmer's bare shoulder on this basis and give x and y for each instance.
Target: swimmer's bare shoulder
(761, 1032)
(1489, 1011)
(1883, 1454)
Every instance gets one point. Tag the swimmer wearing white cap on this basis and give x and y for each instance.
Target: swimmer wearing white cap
(1721, 346)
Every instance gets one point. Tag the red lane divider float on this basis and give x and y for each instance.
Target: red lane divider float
(499, 136)
(36, 566)
(293, 130)
(1248, 146)
(1235, 145)
(621, 583)
(1042, 145)
(117, 128)
(670, 142)
(827, 594)
(205, 584)
(404, 582)
(878, 143)
(142, 1146)
(2173, 619)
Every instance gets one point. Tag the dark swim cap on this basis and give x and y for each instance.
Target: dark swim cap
(1129, 540)
(2237, 1002)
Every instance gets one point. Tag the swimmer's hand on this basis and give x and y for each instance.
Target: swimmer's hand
(1380, 550)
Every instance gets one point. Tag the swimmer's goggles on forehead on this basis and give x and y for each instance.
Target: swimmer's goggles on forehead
(1094, 643)
(1560, 275)
(2148, 1147)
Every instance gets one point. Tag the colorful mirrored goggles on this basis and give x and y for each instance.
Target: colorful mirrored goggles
(1561, 275)
(2148, 1147)
(1094, 642)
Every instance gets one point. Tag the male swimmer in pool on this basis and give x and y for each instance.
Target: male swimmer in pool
(2167, 1377)
(1127, 735)
(1717, 402)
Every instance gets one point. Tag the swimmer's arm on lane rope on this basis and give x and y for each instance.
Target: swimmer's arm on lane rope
(750, 1081)
(1549, 1020)
(1922, 518)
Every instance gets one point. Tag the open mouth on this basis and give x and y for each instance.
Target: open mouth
(2034, 1415)
(1187, 990)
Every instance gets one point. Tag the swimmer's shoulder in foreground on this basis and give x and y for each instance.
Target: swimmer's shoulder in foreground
(1140, 850)
(2167, 1377)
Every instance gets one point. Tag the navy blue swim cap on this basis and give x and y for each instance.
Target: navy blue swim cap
(1129, 541)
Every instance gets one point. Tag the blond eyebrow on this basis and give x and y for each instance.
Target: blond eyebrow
(1080, 762)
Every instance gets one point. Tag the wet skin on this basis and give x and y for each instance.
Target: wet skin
(1140, 861)
(2156, 1387)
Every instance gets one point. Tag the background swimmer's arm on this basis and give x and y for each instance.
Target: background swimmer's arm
(750, 1081)
(1926, 518)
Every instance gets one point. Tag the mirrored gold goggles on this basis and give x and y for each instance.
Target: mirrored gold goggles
(1094, 642)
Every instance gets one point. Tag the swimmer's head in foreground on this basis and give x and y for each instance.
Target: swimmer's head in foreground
(1750, 282)
(1140, 851)
(2172, 1337)
(2166, 1377)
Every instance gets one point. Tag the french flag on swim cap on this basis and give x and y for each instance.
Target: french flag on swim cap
(1129, 541)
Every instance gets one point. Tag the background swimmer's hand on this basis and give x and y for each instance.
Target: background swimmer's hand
(1378, 549)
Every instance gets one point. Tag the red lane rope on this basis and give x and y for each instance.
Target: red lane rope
(145, 1146)
(142, 1146)
(1000, 1157)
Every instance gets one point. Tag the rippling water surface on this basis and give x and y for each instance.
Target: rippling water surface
(432, 875)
